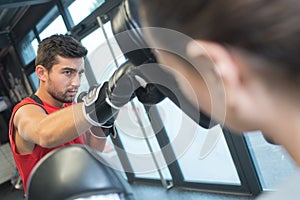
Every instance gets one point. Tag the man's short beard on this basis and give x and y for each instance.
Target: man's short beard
(61, 98)
(57, 95)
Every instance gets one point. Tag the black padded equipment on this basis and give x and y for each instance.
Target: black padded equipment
(72, 172)
(125, 20)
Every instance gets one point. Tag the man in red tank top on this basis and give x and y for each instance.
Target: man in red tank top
(50, 120)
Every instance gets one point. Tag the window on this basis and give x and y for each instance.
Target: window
(28, 48)
(99, 54)
(80, 9)
(203, 155)
(51, 24)
(272, 161)
(34, 80)
(138, 138)
(213, 162)
(56, 27)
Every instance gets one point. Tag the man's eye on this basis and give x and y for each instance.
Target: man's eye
(67, 72)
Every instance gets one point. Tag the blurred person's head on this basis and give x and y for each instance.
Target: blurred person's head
(252, 47)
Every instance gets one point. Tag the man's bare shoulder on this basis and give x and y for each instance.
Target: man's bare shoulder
(26, 118)
(28, 113)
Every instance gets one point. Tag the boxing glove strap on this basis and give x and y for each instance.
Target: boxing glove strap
(92, 96)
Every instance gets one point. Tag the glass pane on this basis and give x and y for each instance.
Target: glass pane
(27, 48)
(51, 23)
(99, 54)
(203, 154)
(34, 80)
(35, 45)
(56, 27)
(80, 9)
(272, 161)
(140, 142)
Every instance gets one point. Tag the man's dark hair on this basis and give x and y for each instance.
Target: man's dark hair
(63, 45)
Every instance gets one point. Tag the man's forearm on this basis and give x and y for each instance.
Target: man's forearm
(63, 126)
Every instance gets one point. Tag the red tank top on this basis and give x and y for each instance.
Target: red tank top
(25, 162)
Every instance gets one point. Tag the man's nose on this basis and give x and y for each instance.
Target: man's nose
(76, 80)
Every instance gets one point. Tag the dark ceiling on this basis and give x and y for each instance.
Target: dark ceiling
(11, 12)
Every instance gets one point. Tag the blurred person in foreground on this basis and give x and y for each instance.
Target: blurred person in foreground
(252, 81)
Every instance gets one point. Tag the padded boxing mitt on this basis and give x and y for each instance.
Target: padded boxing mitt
(149, 95)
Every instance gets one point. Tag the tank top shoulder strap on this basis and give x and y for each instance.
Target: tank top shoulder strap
(36, 99)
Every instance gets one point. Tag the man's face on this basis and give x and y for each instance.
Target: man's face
(64, 79)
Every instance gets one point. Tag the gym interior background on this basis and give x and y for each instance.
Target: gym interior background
(215, 163)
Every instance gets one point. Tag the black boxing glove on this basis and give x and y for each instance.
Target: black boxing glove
(102, 103)
(150, 94)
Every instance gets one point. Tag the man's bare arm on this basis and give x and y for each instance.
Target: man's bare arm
(50, 130)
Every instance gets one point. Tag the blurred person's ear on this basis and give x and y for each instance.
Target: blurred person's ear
(224, 66)
(237, 79)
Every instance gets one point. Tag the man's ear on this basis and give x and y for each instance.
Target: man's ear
(225, 67)
(41, 72)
